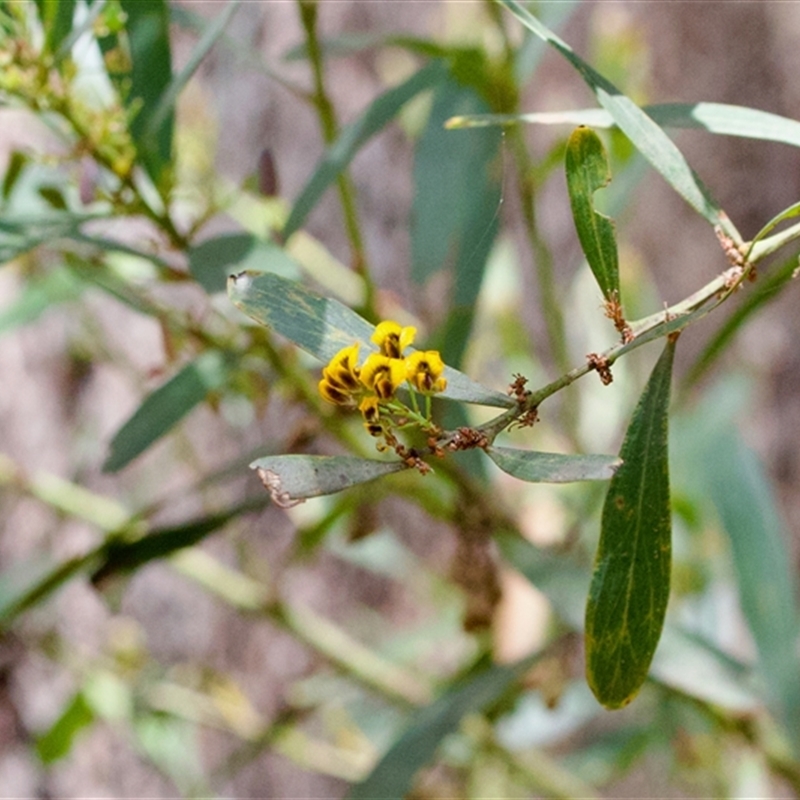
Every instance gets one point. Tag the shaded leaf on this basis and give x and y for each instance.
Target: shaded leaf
(341, 152)
(648, 138)
(120, 556)
(166, 406)
(57, 741)
(212, 262)
(394, 773)
(457, 193)
(290, 479)
(165, 107)
(630, 585)
(537, 467)
(587, 171)
(731, 474)
(323, 326)
(38, 296)
(56, 16)
(149, 78)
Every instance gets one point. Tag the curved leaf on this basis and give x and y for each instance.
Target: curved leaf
(323, 326)
(536, 467)
(291, 479)
(166, 406)
(587, 171)
(648, 138)
(341, 152)
(630, 584)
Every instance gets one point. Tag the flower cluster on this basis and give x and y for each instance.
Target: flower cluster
(373, 386)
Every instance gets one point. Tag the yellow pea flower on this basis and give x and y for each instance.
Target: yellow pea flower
(424, 370)
(382, 375)
(340, 379)
(392, 339)
(371, 411)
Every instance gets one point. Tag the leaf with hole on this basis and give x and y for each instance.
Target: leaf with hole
(630, 584)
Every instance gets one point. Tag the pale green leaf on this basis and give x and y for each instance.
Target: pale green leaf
(290, 479)
(537, 467)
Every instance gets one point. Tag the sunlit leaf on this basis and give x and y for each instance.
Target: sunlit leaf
(341, 152)
(56, 16)
(394, 773)
(587, 171)
(718, 118)
(648, 138)
(290, 479)
(537, 467)
(166, 406)
(630, 585)
(323, 326)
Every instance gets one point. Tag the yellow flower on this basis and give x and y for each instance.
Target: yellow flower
(340, 379)
(393, 339)
(424, 370)
(371, 411)
(383, 375)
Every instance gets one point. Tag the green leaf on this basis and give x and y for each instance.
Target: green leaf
(648, 138)
(323, 326)
(57, 741)
(212, 262)
(630, 584)
(718, 118)
(166, 406)
(394, 773)
(341, 152)
(145, 85)
(293, 478)
(56, 16)
(587, 171)
(165, 108)
(537, 467)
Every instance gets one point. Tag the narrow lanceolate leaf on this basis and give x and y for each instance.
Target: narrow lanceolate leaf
(718, 118)
(166, 406)
(340, 154)
(536, 467)
(588, 171)
(630, 585)
(323, 326)
(294, 478)
(648, 138)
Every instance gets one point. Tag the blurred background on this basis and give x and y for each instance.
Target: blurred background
(256, 651)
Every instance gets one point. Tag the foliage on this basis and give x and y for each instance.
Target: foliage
(403, 421)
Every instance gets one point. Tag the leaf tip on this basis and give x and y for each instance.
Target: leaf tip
(274, 485)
